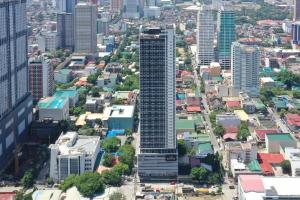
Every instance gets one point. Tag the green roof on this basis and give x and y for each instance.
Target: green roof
(65, 71)
(202, 147)
(254, 166)
(185, 124)
(52, 102)
(280, 136)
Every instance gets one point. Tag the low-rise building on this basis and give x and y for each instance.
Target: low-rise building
(228, 120)
(118, 117)
(258, 187)
(276, 143)
(114, 67)
(53, 108)
(267, 82)
(63, 76)
(242, 151)
(293, 155)
(71, 94)
(107, 79)
(293, 121)
(73, 154)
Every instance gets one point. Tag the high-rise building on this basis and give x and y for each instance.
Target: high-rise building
(103, 26)
(85, 36)
(226, 35)
(67, 6)
(296, 10)
(116, 5)
(65, 30)
(131, 9)
(245, 64)
(41, 78)
(296, 33)
(15, 98)
(205, 36)
(157, 157)
(48, 41)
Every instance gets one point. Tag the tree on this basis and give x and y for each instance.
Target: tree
(214, 178)
(127, 153)
(27, 179)
(219, 130)
(92, 78)
(88, 183)
(188, 61)
(296, 94)
(111, 144)
(108, 160)
(121, 169)
(98, 122)
(110, 177)
(182, 150)
(128, 132)
(95, 92)
(243, 132)
(199, 173)
(117, 196)
(286, 166)
(212, 118)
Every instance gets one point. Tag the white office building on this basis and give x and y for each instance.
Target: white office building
(85, 36)
(245, 64)
(205, 36)
(73, 154)
(48, 41)
(131, 9)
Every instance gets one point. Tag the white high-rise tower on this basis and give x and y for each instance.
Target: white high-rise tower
(205, 36)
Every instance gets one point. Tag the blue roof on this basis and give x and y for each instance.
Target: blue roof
(115, 132)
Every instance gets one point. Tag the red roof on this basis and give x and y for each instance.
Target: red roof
(227, 136)
(231, 129)
(261, 134)
(231, 104)
(252, 183)
(274, 158)
(7, 196)
(193, 109)
(293, 119)
(267, 159)
(183, 73)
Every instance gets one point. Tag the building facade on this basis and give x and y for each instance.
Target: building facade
(73, 154)
(15, 98)
(157, 156)
(226, 35)
(205, 36)
(131, 9)
(41, 78)
(85, 28)
(245, 63)
(296, 33)
(65, 30)
(48, 41)
(116, 5)
(296, 10)
(67, 6)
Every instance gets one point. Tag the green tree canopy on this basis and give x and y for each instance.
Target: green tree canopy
(108, 160)
(111, 177)
(27, 179)
(127, 153)
(286, 166)
(88, 183)
(199, 173)
(117, 196)
(111, 144)
(121, 169)
(219, 130)
(243, 132)
(182, 150)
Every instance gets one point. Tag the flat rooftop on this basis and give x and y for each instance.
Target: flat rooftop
(52, 103)
(118, 111)
(72, 143)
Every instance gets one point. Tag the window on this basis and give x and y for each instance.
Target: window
(9, 139)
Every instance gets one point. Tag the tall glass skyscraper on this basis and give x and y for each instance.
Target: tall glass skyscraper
(226, 35)
(16, 101)
(157, 158)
